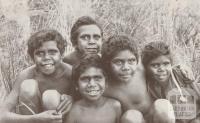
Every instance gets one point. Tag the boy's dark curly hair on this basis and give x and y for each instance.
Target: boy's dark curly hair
(85, 63)
(36, 40)
(154, 50)
(82, 21)
(115, 44)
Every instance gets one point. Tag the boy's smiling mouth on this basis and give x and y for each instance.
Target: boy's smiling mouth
(92, 50)
(93, 92)
(47, 65)
(162, 77)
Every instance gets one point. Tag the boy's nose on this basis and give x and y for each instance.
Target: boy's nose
(91, 82)
(125, 66)
(92, 41)
(161, 68)
(47, 56)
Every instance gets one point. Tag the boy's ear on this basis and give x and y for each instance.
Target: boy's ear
(106, 85)
(76, 88)
(62, 56)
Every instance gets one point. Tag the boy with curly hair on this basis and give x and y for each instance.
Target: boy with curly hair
(90, 81)
(40, 90)
(163, 77)
(86, 38)
(127, 82)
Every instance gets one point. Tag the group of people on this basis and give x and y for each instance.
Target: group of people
(99, 82)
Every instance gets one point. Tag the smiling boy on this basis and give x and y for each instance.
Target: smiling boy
(86, 38)
(90, 80)
(127, 82)
(163, 78)
(42, 86)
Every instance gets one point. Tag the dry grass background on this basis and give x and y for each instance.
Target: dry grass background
(175, 21)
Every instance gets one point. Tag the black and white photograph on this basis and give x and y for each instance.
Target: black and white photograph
(100, 61)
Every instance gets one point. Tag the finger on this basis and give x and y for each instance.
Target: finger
(51, 111)
(65, 96)
(56, 117)
(58, 121)
(183, 71)
(63, 100)
(63, 106)
(62, 97)
(66, 101)
(64, 112)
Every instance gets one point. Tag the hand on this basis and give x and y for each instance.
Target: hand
(186, 73)
(65, 104)
(50, 116)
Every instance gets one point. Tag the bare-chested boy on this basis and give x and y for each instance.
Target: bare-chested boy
(40, 90)
(127, 82)
(163, 77)
(90, 80)
(86, 38)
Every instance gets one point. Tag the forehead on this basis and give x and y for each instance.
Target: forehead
(89, 29)
(124, 54)
(162, 58)
(48, 44)
(92, 71)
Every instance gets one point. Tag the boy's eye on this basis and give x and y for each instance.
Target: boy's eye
(85, 37)
(155, 65)
(117, 62)
(39, 53)
(97, 37)
(97, 78)
(166, 63)
(131, 61)
(52, 52)
(85, 79)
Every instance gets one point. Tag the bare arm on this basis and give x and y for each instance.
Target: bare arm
(71, 116)
(8, 107)
(118, 111)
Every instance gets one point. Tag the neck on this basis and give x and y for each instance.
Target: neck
(164, 85)
(95, 103)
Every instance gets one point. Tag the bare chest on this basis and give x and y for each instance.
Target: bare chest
(133, 96)
(62, 85)
(104, 115)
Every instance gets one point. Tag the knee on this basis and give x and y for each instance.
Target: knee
(29, 88)
(132, 116)
(163, 111)
(50, 99)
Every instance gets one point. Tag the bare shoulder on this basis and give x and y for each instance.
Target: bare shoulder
(115, 105)
(70, 58)
(67, 68)
(28, 70)
(27, 73)
(113, 102)
(76, 109)
(74, 114)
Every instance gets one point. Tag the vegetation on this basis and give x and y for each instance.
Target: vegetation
(175, 21)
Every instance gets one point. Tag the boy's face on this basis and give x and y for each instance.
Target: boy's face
(47, 57)
(123, 65)
(91, 83)
(160, 69)
(89, 39)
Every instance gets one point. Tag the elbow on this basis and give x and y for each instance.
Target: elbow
(3, 116)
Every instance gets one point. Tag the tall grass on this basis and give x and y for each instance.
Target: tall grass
(175, 21)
